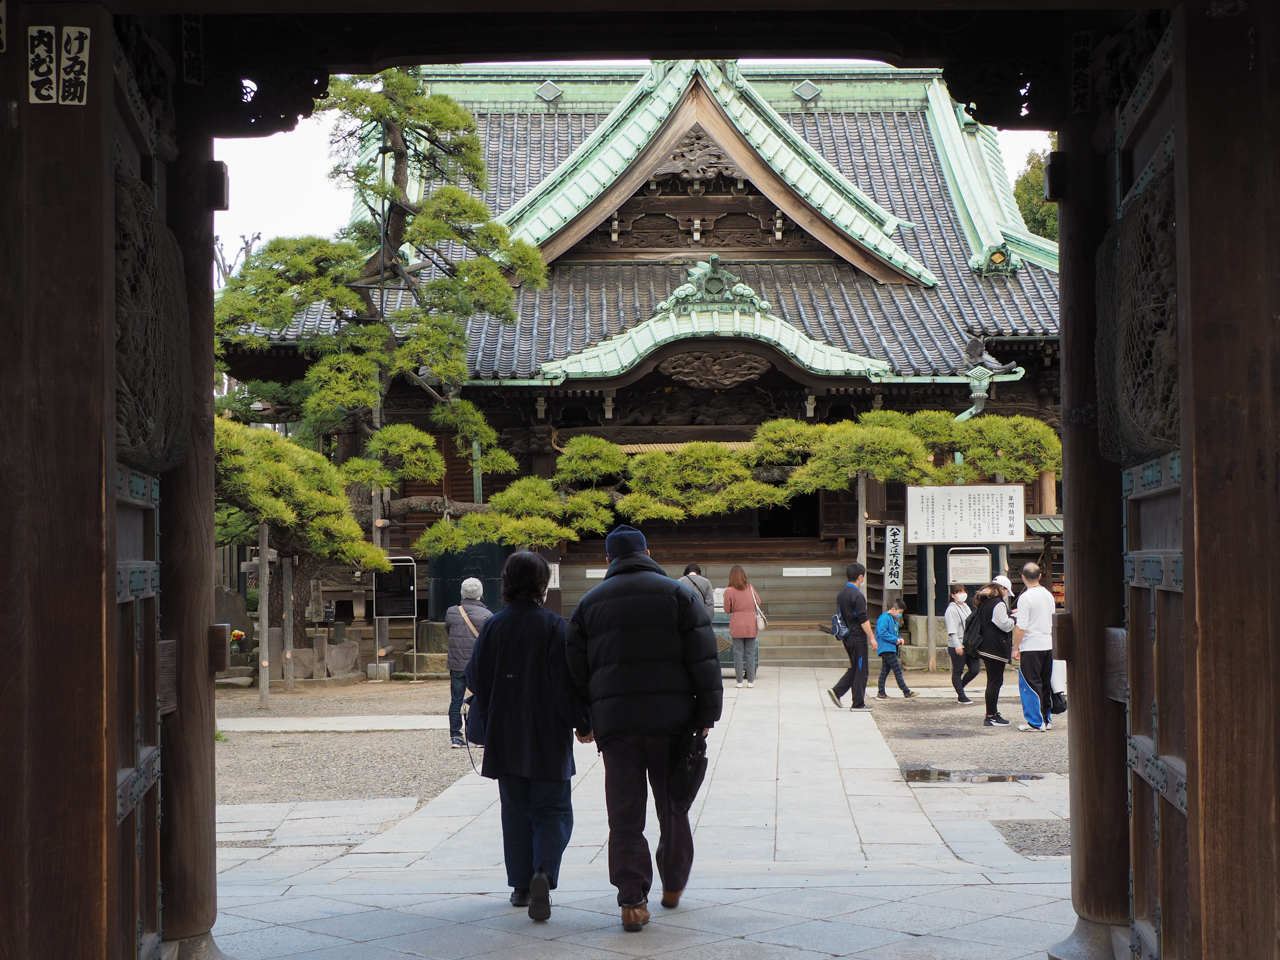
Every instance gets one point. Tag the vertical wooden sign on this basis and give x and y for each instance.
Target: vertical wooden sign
(42, 84)
(73, 66)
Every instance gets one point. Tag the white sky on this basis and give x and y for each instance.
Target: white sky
(280, 185)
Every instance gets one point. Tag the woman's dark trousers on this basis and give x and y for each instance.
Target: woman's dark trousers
(957, 669)
(537, 821)
(626, 761)
(995, 680)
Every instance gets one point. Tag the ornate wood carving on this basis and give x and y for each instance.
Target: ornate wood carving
(699, 158)
(714, 371)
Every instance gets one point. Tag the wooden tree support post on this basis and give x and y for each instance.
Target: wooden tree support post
(286, 620)
(264, 621)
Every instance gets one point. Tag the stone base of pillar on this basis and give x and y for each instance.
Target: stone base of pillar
(192, 948)
(1089, 941)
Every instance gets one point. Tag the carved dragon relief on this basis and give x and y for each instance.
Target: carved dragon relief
(714, 371)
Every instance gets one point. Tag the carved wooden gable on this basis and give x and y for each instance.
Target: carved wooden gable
(697, 200)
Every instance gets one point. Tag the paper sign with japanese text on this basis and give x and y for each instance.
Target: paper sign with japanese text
(966, 514)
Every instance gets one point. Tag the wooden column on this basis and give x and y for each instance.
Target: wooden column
(188, 570)
(1227, 109)
(58, 837)
(1094, 569)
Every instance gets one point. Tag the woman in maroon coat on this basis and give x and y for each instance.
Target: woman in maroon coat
(741, 603)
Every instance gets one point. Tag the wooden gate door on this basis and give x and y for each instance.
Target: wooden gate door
(1159, 901)
(140, 704)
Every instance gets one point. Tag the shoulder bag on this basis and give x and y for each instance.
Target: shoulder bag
(761, 622)
(688, 769)
(463, 610)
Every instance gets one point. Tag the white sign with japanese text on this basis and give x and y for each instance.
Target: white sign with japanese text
(73, 66)
(42, 51)
(966, 514)
(893, 555)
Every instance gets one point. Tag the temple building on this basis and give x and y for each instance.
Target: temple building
(728, 245)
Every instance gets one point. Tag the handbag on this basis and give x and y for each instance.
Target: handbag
(1059, 702)
(688, 770)
(838, 628)
(473, 719)
(761, 622)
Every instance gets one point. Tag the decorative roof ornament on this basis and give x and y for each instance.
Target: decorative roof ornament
(997, 259)
(806, 90)
(711, 284)
(549, 91)
(698, 157)
(982, 369)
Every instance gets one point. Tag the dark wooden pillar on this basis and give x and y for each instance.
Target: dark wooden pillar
(188, 849)
(58, 835)
(1094, 569)
(1227, 114)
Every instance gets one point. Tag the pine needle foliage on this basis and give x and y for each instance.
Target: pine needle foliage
(262, 477)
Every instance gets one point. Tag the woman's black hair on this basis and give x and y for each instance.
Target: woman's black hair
(525, 576)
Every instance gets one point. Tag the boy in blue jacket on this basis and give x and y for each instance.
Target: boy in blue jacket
(887, 643)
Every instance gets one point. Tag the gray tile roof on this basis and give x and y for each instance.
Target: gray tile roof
(890, 155)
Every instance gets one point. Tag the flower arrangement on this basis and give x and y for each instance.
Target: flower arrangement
(236, 637)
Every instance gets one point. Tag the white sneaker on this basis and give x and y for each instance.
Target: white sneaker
(738, 684)
(750, 684)
(1028, 728)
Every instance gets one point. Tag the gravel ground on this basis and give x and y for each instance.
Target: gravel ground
(361, 699)
(282, 767)
(1037, 838)
(944, 735)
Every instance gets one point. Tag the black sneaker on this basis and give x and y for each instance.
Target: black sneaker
(996, 721)
(520, 897)
(965, 700)
(540, 897)
(834, 699)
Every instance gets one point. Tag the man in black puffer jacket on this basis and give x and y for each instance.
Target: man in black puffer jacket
(642, 653)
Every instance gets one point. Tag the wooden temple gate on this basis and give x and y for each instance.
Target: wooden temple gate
(1174, 840)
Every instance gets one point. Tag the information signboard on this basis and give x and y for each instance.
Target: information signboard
(966, 514)
(893, 556)
(395, 594)
(969, 565)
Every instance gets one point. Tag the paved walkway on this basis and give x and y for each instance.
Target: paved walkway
(318, 724)
(809, 845)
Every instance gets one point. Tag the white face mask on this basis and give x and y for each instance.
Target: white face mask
(961, 597)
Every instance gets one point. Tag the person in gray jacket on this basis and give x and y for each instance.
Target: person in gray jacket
(701, 586)
(463, 622)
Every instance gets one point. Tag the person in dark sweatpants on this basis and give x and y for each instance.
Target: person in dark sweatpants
(887, 644)
(643, 655)
(852, 607)
(528, 709)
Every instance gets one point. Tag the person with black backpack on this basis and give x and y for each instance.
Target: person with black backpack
(851, 625)
(989, 633)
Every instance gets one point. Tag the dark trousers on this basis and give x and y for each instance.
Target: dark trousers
(537, 821)
(457, 691)
(626, 761)
(960, 677)
(995, 680)
(1036, 667)
(890, 661)
(855, 678)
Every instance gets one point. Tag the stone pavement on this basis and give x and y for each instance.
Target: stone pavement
(317, 724)
(810, 844)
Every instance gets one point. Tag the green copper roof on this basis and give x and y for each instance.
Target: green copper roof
(974, 167)
(713, 303)
(618, 142)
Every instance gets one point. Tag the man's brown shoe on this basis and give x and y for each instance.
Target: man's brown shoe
(634, 918)
(671, 898)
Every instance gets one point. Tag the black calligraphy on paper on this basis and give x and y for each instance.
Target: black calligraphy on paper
(42, 85)
(73, 66)
(893, 558)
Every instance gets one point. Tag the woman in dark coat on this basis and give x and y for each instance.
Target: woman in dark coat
(528, 710)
